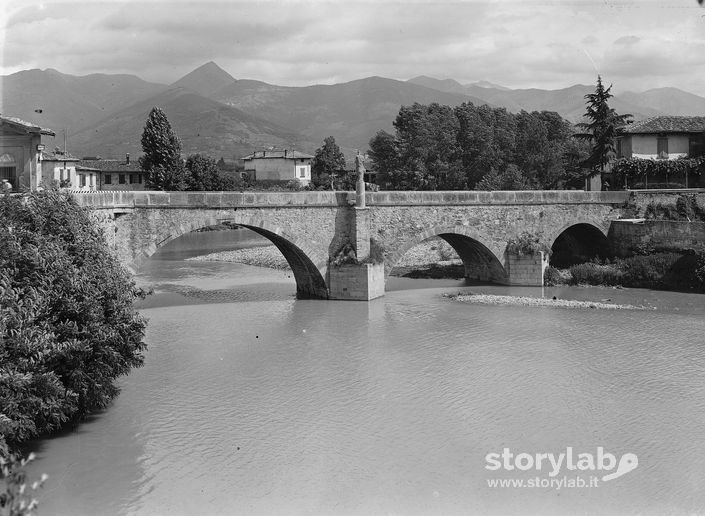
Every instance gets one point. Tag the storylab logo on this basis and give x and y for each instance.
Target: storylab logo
(566, 469)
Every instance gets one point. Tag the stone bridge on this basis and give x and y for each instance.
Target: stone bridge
(311, 228)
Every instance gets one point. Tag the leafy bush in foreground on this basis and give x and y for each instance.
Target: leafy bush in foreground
(68, 328)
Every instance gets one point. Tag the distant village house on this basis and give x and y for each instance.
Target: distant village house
(21, 147)
(114, 174)
(58, 168)
(278, 165)
(664, 138)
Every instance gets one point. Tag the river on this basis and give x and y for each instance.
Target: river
(253, 402)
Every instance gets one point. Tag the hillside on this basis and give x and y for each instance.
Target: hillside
(214, 113)
(352, 112)
(670, 101)
(203, 125)
(55, 100)
(568, 102)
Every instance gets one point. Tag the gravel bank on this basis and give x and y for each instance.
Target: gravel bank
(488, 299)
(263, 256)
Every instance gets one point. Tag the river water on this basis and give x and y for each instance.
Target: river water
(253, 402)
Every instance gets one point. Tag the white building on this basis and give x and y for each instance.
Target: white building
(278, 165)
(21, 146)
(663, 137)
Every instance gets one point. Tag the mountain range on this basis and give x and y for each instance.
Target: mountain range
(214, 113)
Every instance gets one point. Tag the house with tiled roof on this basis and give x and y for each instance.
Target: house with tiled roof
(278, 165)
(663, 137)
(21, 146)
(58, 168)
(114, 174)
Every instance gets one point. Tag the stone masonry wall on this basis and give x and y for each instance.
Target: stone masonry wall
(642, 198)
(398, 228)
(626, 236)
(526, 270)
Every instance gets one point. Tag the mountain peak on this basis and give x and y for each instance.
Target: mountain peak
(205, 80)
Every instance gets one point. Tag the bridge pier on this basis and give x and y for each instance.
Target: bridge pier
(526, 270)
(357, 281)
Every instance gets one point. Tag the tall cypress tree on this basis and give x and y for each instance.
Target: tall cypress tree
(328, 163)
(162, 153)
(603, 126)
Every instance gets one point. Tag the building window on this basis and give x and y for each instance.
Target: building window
(619, 148)
(662, 148)
(108, 179)
(133, 179)
(82, 180)
(139, 178)
(121, 179)
(302, 171)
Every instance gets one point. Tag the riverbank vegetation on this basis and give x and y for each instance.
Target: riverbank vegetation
(68, 328)
(682, 270)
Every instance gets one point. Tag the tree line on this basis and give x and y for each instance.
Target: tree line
(438, 147)
(164, 166)
(434, 147)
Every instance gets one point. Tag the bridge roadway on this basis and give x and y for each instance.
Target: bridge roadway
(310, 228)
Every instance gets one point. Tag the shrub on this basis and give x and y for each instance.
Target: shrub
(553, 276)
(16, 497)
(295, 185)
(527, 244)
(648, 270)
(595, 274)
(685, 208)
(700, 270)
(68, 327)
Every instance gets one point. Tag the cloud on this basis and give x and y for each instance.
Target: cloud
(517, 44)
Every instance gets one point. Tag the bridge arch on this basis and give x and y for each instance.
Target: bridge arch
(480, 260)
(308, 264)
(579, 241)
(309, 269)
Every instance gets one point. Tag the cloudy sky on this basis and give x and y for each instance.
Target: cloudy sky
(634, 44)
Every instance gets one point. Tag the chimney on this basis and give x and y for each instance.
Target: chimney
(285, 153)
(127, 158)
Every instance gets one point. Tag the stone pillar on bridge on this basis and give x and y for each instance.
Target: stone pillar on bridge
(363, 280)
(526, 269)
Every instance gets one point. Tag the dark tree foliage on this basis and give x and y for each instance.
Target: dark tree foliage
(328, 164)
(68, 328)
(487, 139)
(438, 147)
(203, 175)
(602, 128)
(384, 158)
(162, 153)
(427, 140)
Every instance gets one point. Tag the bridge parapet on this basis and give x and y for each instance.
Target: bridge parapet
(214, 200)
(472, 197)
(225, 200)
